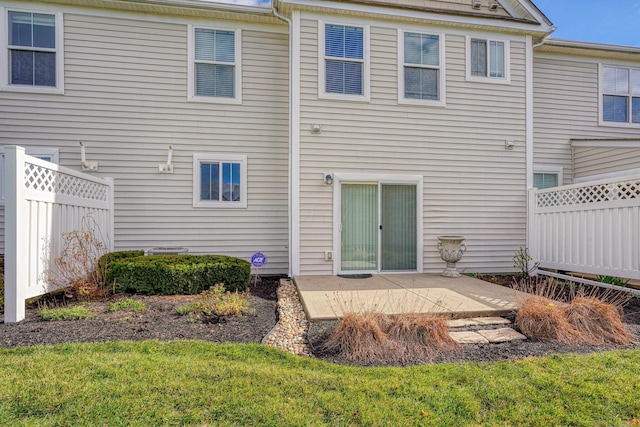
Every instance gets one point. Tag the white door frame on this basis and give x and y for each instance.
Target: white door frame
(372, 178)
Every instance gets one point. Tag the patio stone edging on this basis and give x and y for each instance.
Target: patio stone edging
(290, 333)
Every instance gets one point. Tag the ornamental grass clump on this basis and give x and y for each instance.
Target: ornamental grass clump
(371, 337)
(216, 303)
(359, 338)
(545, 320)
(598, 322)
(420, 335)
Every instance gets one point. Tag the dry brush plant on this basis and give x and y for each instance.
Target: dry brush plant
(572, 313)
(77, 266)
(370, 337)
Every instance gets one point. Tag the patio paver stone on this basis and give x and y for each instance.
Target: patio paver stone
(501, 335)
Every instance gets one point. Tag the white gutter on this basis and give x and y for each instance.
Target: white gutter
(203, 4)
(294, 142)
(591, 46)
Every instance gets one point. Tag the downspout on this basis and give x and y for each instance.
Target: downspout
(529, 145)
(291, 189)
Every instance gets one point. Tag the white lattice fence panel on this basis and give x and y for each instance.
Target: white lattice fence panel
(44, 202)
(590, 228)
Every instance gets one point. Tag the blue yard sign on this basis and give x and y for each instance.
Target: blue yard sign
(258, 259)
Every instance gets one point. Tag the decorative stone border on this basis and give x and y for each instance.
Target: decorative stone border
(290, 333)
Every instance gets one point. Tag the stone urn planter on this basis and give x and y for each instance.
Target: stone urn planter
(451, 249)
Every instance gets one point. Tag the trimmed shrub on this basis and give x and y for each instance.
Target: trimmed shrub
(106, 262)
(180, 274)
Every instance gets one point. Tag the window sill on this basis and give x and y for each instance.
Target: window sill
(492, 80)
(46, 90)
(215, 100)
(422, 102)
(344, 97)
(627, 125)
(219, 205)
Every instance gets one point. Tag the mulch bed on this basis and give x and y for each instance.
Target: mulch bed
(160, 321)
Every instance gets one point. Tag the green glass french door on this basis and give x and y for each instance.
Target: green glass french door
(378, 227)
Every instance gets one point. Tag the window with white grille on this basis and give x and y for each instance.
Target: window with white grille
(219, 181)
(344, 62)
(421, 68)
(488, 60)
(33, 46)
(620, 95)
(214, 65)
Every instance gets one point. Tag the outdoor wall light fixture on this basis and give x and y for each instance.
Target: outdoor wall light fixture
(316, 128)
(86, 166)
(328, 178)
(168, 167)
(508, 145)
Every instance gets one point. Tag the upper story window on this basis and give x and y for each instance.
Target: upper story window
(219, 181)
(488, 60)
(344, 73)
(214, 65)
(34, 52)
(620, 94)
(421, 68)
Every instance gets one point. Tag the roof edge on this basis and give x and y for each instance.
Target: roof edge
(551, 42)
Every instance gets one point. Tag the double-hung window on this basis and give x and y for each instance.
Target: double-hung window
(487, 59)
(219, 181)
(214, 65)
(421, 68)
(33, 52)
(344, 61)
(620, 95)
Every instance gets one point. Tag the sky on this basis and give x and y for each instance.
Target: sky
(599, 21)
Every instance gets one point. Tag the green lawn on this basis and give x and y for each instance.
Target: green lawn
(195, 383)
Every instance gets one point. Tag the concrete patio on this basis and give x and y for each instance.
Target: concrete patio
(329, 297)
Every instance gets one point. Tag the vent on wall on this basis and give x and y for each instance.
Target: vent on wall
(476, 4)
(493, 6)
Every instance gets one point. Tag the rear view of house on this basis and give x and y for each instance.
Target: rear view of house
(335, 137)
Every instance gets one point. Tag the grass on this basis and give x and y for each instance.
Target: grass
(127, 304)
(194, 383)
(217, 302)
(75, 312)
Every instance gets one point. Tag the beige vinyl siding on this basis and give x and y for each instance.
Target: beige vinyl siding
(566, 101)
(472, 185)
(601, 160)
(126, 98)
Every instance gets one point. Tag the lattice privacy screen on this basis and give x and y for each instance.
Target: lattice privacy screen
(42, 179)
(624, 190)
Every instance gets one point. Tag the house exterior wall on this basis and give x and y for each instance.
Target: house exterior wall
(126, 99)
(591, 161)
(472, 185)
(566, 107)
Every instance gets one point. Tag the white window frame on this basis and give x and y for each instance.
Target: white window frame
(601, 94)
(199, 158)
(507, 60)
(441, 102)
(5, 84)
(53, 153)
(366, 68)
(550, 170)
(191, 81)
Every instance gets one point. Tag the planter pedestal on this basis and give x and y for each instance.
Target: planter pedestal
(451, 249)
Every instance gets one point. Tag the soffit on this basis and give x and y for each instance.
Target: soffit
(180, 8)
(424, 12)
(591, 50)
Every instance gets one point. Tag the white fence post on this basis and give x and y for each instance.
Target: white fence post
(17, 247)
(43, 202)
(532, 241)
(111, 228)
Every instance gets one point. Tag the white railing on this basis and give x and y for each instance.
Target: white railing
(592, 227)
(43, 201)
